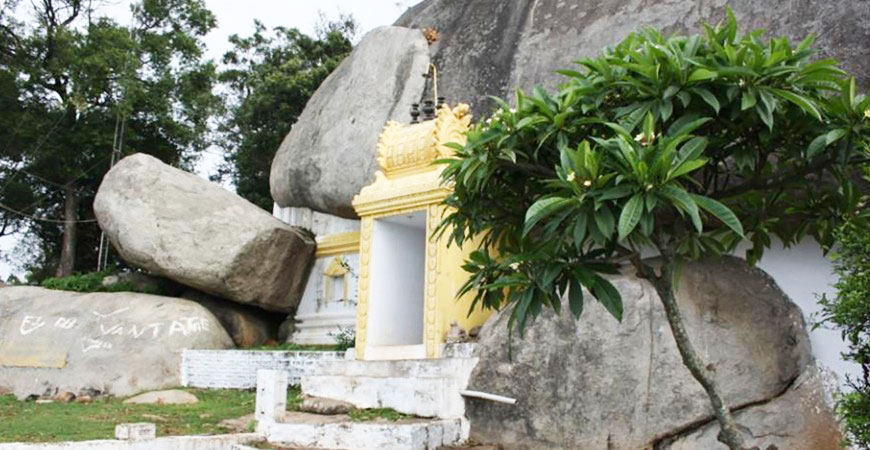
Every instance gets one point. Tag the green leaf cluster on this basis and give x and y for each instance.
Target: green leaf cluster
(849, 312)
(67, 74)
(679, 146)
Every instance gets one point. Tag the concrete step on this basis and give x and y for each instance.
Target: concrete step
(312, 431)
(422, 397)
(420, 387)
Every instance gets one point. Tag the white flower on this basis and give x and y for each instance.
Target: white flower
(587, 183)
(571, 176)
(867, 113)
(649, 186)
(639, 138)
(515, 266)
(742, 83)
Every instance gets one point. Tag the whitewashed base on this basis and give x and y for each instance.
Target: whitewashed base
(237, 369)
(420, 435)
(424, 387)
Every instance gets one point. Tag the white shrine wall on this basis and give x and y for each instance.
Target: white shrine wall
(804, 274)
(328, 304)
(397, 280)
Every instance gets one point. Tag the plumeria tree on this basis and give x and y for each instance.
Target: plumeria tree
(678, 147)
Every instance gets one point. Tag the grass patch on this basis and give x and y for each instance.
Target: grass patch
(294, 397)
(52, 422)
(365, 415)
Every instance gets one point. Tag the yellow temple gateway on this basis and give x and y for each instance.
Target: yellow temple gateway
(408, 278)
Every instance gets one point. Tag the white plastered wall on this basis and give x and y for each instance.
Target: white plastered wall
(395, 314)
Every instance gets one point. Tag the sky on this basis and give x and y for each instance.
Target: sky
(237, 17)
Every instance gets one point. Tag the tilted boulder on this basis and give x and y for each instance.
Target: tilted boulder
(175, 224)
(117, 343)
(329, 154)
(246, 325)
(599, 383)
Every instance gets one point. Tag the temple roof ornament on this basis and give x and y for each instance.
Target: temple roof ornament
(405, 155)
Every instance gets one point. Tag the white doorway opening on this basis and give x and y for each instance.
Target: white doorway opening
(397, 287)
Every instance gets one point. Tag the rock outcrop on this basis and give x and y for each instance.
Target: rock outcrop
(599, 383)
(329, 154)
(180, 226)
(116, 343)
(492, 48)
(246, 325)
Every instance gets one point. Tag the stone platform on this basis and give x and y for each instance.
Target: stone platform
(303, 430)
(420, 387)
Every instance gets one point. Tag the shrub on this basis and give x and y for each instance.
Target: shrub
(345, 338)
(80, 282)
(680, 147)
(93, 282)
(849, 312)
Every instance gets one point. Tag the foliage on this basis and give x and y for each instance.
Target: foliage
(345, 338)
(365, 415)
(68, 77)
(86, 282)
(681, 147)
(849, 312)
(294, 398)
(269, 80)
(684, 145)
(854, 411)
(31, 422)
(93, 282)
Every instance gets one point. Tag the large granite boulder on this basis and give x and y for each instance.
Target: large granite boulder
(329, 154)
(599, 383)
(246, 325)
(177, 225)
(116, 343)
(492, 48)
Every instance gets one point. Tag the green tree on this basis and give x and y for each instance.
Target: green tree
(849, 312)
(680, 147)
(69, 78)
(269, 79)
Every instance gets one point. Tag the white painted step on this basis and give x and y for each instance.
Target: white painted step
(424, 388)
(339, 433)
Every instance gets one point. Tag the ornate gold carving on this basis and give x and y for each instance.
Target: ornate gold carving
(409, 182)
(404, 148)
(362, 308)
(430, 322)
(338, 244)
(337, 268)
(450, 127)
(408, 149)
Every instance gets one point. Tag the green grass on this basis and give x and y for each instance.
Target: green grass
(31, 422)
(364, 415)
(54, 422)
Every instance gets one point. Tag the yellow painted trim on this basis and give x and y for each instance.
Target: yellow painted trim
(362, 306)
(338, 244)
(409, 182)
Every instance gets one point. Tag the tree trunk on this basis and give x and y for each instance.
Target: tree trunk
(729, 434)
(70, 239)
